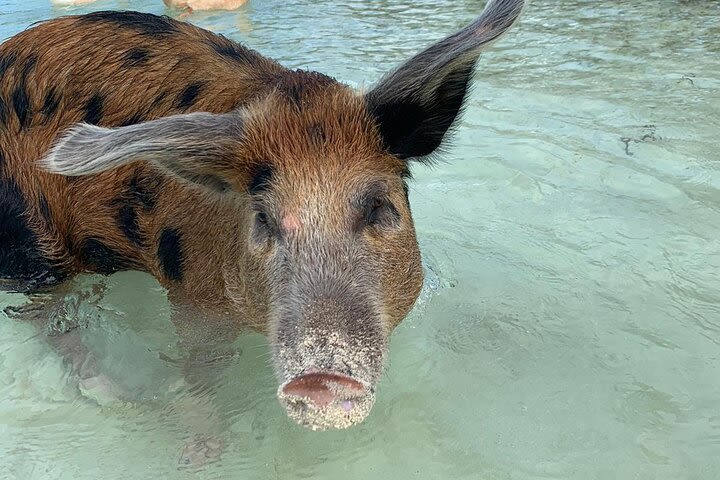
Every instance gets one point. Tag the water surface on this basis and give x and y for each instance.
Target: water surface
(570, 328)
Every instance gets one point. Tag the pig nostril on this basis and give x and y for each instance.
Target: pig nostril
(322, 389)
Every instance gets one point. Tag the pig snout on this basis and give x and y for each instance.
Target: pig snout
(329, 354)
(324, 389)
(323, 400)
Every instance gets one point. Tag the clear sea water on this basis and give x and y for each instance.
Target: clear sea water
(570, 325)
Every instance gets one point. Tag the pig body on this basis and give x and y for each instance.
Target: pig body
(133, 217)
(272, 197)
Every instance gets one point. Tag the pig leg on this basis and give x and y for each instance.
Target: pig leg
(57, 315)
(206, 339)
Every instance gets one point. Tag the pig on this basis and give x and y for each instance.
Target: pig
(259, 196)
(189, 5)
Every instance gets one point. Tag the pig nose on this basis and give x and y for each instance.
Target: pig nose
(325, 388)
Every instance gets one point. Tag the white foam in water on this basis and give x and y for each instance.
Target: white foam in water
(570, 323)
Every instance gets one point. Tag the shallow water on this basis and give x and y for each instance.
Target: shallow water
(570, 326)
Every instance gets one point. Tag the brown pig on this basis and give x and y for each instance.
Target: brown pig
(130, 141)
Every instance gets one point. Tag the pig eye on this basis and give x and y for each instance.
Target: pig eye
(381, 213)
(261, 218)
(263, 227)
(374, 212)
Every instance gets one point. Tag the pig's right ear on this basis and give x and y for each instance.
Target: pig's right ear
(416, 105)
(195, 147)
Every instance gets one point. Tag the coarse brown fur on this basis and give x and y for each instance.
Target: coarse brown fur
(83, 208)
(286, 210)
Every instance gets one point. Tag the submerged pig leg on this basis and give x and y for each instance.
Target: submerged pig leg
(58, 316)
(206, 342)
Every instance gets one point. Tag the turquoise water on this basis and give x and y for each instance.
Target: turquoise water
(570, 325)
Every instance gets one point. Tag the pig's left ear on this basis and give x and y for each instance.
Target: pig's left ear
(417, 104)
(196, 147)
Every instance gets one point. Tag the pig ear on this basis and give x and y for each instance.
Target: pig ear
(196, 147)
(416, 105)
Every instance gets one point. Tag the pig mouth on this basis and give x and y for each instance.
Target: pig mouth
(325, 400)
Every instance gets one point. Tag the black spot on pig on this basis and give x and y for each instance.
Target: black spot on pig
(3, 112)
(21, 104)
(50, 104)
(170, 254)
(20, 256)
(232, 50)
(102, 259)
(7, 61)
(20, 97)
(190, 95)
(143, 23)
(127, 219)
(136, 57)
(143, 190)
(94, 109)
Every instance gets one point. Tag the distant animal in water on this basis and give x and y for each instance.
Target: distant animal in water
(259, 196)
(189, 5)
(206, 4)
